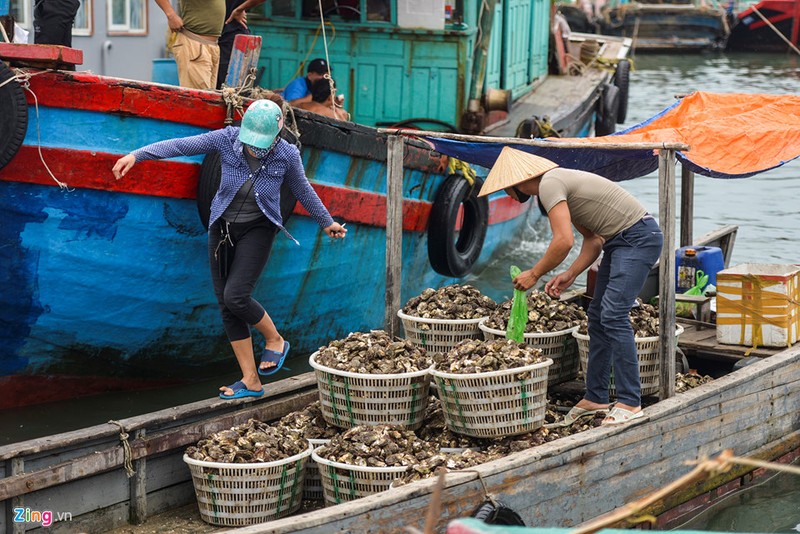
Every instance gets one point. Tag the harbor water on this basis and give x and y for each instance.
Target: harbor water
(765, 208)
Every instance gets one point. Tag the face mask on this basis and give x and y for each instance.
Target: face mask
(521, 197)
(259, 153)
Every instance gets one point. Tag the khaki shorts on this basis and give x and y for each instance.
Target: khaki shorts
(197, 62)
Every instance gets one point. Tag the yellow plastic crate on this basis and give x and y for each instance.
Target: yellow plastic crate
(758, 305)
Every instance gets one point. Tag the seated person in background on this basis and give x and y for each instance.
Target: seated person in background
(322, 102)
(299, 89)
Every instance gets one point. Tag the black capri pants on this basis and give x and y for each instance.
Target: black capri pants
(246, 259)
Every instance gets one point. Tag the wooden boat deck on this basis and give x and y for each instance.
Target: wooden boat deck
(702, 339)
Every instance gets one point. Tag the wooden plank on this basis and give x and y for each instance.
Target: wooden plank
(243, 61)
(666, 283)
(17, 468)
(394, 233)
(158, 442)
(704, 342)
(687, 206)
(40, 54)
(174, 416)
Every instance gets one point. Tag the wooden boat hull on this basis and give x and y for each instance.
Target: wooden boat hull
(106, 282)
(752, 411)
(752, 34)
(665, 27)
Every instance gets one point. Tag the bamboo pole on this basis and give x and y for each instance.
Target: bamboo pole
(549, 143)
(687, 206)
(394, 232)
(776, 30)
(666, 279)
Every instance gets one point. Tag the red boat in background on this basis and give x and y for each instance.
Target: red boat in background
(752, 33)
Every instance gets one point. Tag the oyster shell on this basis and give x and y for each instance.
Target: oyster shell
(545, 314)
(450, 302)
(685, 382)
(476, 356)
(373, 353)
(377, 446)
(251, 442)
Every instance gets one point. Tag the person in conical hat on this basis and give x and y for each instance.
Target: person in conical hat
(611, 221)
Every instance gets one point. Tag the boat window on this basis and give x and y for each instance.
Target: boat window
(21, 11)
(379, 11)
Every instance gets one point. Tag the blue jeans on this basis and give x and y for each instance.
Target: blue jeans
(627, 260)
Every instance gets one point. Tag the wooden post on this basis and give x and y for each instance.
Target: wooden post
(482, 49)
(687, 207)
(138, 486)
(244, 58)
(12, 527)
(394, 232)
(666, 281)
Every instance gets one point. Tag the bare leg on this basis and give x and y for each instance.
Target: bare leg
(243, 349)
(274, 341)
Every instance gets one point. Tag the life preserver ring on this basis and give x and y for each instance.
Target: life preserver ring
(452, 252)
(13, 116)
(622, 80)
(208, 184)
(606, 121)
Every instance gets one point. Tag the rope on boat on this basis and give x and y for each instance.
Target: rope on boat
(22, 77)
(126, 447)
(705, 467)
(328, 76)
(232, 96)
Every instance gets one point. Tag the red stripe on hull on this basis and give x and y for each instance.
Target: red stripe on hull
(84, 91)
(176, 179)
(92, 170)
(27, 390)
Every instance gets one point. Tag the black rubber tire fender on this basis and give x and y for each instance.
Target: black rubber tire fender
(13, 116)
(499, 514)
(208, 184)
(606, 121)
(451, 253)
(622, 81)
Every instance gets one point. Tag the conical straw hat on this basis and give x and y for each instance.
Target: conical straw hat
(513, 167)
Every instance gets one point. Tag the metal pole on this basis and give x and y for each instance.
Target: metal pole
(394, 232)
(687, 207)
(666, 275)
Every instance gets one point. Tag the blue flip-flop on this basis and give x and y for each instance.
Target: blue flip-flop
(275, 357)
(240, 391)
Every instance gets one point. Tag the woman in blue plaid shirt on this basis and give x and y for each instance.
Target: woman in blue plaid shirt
(245, 217)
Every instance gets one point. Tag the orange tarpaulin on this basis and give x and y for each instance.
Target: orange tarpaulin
(730, 135)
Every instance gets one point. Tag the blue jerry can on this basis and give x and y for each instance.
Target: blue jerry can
(689, 259)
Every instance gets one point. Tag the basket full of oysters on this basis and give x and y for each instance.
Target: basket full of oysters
(368, 378)
(549, 328)
(438, 319)
(644, 321)
(493, 388)
(248, 474)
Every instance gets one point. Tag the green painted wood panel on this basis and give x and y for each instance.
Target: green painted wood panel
(386, 75)
(516, 45)
(540, 39)
(494, 60)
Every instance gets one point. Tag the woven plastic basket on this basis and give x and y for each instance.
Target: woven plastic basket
(245, 494)
(649, 364)
(439, 335)
(494, 404)
(559, 346)
(345, 482)
(352, 399)
(312, 488)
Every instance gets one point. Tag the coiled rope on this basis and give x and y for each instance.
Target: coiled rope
(126, 448)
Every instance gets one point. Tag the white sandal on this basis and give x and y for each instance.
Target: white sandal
(620, 416)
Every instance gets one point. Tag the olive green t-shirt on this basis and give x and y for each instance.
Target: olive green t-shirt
(594, 202)
(203, 17)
